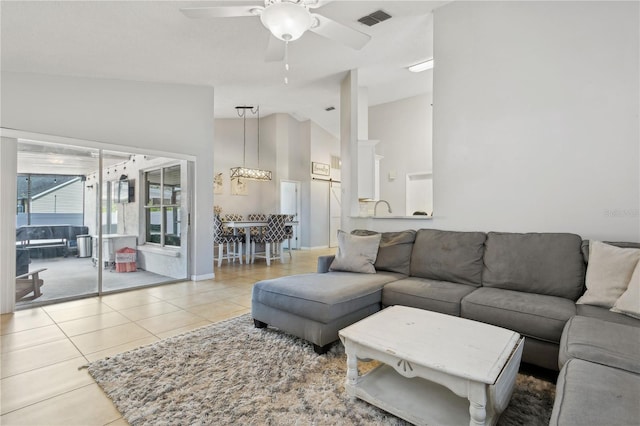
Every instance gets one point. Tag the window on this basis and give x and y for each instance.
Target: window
(162, 206)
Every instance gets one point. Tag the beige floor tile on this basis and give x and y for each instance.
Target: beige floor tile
(73, 304)
(232, 292)
(171, 291)
(109, 337)
(77, 312)
(215, 309)
(148, 311)
(55, 391)
(33, 337)
(244, 300)
(225, 316)
(93, 323)
(85, 406)
(34, 357)
(37, 385)
(128, 300)
(94, 356)
(119, 422)
(185, 329)
(170, 321)
(24, 320)
(198, 299)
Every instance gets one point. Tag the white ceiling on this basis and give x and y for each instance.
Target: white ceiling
(153, 41)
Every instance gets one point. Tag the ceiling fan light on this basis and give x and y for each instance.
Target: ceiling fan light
(286, 21)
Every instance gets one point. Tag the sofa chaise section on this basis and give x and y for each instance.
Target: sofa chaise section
(602, 342)
(315, 306)
(593, 394)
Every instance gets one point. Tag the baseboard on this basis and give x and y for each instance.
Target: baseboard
(314, 248)
(203, 277)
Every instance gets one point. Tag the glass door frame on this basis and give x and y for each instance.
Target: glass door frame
(16, 136)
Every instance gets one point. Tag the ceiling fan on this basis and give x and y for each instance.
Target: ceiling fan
(287, 20)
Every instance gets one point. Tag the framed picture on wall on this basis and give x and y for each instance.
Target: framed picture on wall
(218, 181)
(239, 187)
(320, 169)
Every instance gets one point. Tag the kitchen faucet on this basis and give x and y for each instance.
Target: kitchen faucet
(376, 206)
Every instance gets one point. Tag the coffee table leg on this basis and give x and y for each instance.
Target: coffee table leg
(477, 404)
(352, 372)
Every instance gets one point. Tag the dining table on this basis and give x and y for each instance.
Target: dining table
(247, 225)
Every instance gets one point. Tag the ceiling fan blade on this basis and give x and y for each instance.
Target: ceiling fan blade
(275, 50)
(314, 4)
(221, 12)
(341, 33)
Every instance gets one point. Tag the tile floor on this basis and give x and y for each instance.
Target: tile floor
(42, 348)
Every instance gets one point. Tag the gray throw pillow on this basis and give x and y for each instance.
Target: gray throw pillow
(394, 254)
(356, 253)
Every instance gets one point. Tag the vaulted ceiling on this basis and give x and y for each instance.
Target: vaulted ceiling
(154, 41)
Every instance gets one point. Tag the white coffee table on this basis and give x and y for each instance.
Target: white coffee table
(437, 369)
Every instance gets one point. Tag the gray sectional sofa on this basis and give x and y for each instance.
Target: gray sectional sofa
(528, 283)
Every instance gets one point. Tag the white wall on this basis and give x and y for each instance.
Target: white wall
(287, 148)
(228, 146)
(130, 215)
(404, 130)
(536, 126)
(323, 146)
(8, 170)
(158, 117)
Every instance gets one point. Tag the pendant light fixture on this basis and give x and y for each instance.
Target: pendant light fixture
(247, 172)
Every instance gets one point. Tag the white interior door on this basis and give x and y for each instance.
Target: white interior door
(335, 209)
(290, 204)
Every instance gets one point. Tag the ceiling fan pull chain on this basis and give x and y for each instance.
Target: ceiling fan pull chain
(286, 62)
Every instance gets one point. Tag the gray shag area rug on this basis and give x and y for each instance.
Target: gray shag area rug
(233, 373)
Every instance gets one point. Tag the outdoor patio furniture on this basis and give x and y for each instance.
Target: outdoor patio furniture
(29, 282)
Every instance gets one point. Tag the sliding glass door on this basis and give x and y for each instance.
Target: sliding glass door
(90, 221)
(51, 222)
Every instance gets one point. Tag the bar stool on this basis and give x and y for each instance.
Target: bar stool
(255, 231)
(233, 217)
(288, 232)
(272, 238)
(226, 240)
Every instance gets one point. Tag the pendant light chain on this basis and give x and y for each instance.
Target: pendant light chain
(244, 138)
(286, 62)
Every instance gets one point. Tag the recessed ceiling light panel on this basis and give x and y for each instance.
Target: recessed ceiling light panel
(422, 66)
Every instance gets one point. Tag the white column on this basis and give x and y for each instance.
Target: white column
(8, 172)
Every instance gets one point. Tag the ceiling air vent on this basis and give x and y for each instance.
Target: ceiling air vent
(374, 18)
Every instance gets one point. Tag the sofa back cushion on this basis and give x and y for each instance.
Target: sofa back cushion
(546, 263)
(394, 253)
(448, 256)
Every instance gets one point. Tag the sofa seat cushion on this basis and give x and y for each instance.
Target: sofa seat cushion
(546, 263)
(433, 295)
(602, 342)
(606, 314)
(323, 297)
(533, 315)
(593, 394)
